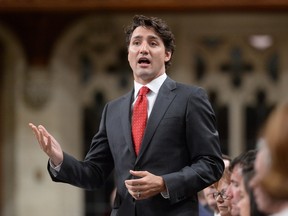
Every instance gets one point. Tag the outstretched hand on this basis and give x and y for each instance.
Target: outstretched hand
(145, 186)
(48, 144)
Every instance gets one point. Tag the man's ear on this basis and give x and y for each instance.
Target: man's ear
(168, 55)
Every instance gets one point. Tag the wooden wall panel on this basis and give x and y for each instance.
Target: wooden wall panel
(122, 5)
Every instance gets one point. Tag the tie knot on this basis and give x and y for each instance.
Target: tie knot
(144, 90)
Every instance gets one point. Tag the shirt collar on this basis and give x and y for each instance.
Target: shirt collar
(154, 85)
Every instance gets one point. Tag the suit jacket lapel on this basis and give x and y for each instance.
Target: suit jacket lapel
(163, 100)
(125, 113)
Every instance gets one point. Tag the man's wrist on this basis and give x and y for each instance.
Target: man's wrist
(55, 167)
(164, 191)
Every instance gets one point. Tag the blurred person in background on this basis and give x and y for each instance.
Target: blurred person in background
(208, 194)
(236, 167)
(204, 209)
(270, 181)
(247, 204)
(209, 191)
(264, 202)
(222, 199)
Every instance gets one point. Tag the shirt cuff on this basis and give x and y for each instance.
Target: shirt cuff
(165, 194)
(54, 169)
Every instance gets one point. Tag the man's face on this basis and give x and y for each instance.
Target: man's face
(147, 55)
(234, 189)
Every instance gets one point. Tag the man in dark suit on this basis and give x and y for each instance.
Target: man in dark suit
(179, 153)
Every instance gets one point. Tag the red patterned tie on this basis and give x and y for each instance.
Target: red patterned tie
(139, 118)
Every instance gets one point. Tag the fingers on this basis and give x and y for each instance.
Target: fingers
(138, 195)
(137, 192)
(134, 185)
(139, 182)
(43, 137)
(44, 131)
(145, 186)
(48, 144)
(140, 174)
(35, 131)
(137, 187)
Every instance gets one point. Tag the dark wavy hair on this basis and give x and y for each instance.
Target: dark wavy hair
(245, 160)
(159, 26)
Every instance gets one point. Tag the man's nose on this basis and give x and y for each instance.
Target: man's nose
(144, 48)
(229, 191)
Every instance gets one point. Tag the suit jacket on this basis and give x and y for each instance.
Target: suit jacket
(180, 144)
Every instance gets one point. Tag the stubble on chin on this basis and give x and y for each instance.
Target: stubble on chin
(144, 77)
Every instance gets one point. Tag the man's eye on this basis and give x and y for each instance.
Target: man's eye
(136, 43)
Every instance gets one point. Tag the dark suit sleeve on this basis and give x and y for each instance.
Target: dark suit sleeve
(203, 145)
(94, 169)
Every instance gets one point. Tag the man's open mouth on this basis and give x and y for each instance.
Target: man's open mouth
(143, 60)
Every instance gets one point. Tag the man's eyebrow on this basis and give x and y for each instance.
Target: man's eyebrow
(137, 37)
(149, 37)
(153, 37)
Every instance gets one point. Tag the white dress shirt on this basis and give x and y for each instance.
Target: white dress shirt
(154, 87)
